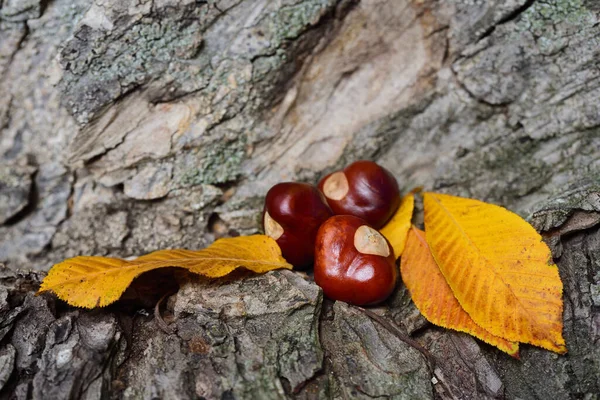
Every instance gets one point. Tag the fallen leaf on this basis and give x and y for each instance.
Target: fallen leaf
(99, 281)
(498, 268)
(434, 298)
(396, 230)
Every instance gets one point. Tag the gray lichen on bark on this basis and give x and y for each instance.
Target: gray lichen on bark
(126, 127)
(235, 338)
(357, 346)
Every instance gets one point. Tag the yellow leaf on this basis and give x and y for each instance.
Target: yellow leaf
(434, 298)
(99, 281)
(396, 229)
(499, 269)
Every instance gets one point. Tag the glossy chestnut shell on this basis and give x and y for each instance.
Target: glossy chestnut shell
(361, 277)
(363, 189)
(292, 215)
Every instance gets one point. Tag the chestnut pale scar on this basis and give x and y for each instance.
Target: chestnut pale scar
(336, 186)
(368, 241)
(272, 227)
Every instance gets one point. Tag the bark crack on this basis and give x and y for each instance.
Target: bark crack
(507, 18)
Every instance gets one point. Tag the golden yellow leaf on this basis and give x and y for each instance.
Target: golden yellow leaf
(396, 229)
(99, 281)
(434, 298)
(498, 268)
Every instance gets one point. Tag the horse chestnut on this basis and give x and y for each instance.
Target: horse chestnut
(363, 189)
(292, 215)
(353, 262)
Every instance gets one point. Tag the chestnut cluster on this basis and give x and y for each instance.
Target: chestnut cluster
(334, 226)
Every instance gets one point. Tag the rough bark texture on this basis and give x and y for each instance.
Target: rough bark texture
(129, 126)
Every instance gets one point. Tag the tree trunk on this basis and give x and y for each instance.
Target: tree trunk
(131, 126)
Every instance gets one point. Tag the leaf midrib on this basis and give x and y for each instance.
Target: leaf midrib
(509, 344)
(487, 261)
(145, 265)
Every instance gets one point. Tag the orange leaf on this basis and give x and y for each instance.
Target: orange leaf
(396, 229)
(99, 281)
(434, 298)
(499, 269)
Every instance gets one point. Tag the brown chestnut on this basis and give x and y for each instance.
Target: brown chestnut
(292, 215)
(363, 189)
(354, 262)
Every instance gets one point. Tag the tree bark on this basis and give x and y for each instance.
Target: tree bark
(132, 126)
